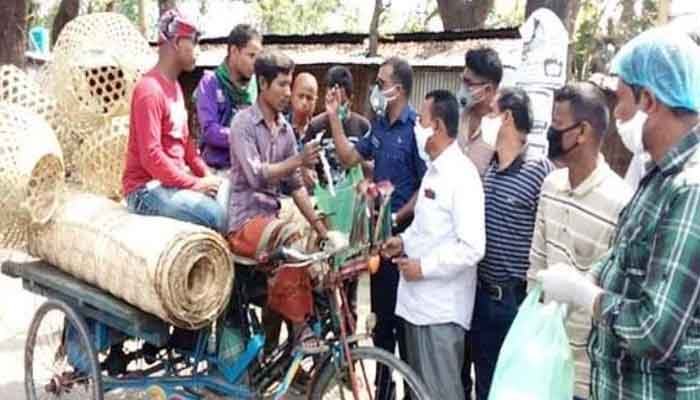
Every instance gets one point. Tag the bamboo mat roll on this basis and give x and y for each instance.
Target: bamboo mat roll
(180, 272)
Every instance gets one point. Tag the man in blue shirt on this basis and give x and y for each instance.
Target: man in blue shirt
(391, 144)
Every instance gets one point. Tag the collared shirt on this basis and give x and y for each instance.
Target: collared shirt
(646, 344)
(636, 169)
(574, 227)
(474, 146)
(253, 148)
(395, 154)
(447, 236)
(511, 198)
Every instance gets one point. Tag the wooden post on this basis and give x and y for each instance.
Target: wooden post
(664, 11)
(142, 17)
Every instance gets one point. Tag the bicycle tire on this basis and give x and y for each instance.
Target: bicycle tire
(70, 316)
(329, 371)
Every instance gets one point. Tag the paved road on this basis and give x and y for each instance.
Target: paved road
(17, 307)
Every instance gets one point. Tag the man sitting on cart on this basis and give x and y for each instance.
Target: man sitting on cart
(263, 157)
(164, 173)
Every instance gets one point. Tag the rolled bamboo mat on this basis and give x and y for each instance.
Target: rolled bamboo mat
(31, 173)
(180, 272)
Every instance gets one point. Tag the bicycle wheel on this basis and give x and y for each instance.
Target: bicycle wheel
(372, 365)
(60, 361)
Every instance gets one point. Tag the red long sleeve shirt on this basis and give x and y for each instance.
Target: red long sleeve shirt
(160, 146)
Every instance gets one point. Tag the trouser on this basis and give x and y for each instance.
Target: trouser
(388, 331)
(467, 383)
(495, 308)
(181, 204)
(223, 196)
(436, 354)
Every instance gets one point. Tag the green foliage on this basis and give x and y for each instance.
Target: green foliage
(596, 41)
(295, 16)
(512, 18)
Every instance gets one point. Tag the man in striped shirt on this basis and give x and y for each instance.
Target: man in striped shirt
(579, 204)
(645, 294)
(512, 185)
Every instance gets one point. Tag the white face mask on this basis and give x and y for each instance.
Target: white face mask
(631, 132)
(422, 135)
(490, 126)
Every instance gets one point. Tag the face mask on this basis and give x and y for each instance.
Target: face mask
(343, 111)
(490, 126)
(379, 100)
(555, 137)
(422, 135)
(631, 132)
(467, 98)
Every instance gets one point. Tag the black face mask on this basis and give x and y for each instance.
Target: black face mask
(555, 137)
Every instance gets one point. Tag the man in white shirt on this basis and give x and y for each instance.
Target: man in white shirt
(437, 256)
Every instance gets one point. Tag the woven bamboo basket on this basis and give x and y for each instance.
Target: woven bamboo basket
(17, 87)
(96, 62)
(31, 173)
(177, 271)
(100, 161)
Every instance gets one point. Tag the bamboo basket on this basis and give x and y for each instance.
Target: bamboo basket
(97, 60)
(18, 88)
(100, 161)
(31, 173)
(178, 271)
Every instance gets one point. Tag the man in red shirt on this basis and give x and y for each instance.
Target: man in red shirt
(164, 173)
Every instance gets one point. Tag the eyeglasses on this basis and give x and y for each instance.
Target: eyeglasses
(470, 83)
(383, 85)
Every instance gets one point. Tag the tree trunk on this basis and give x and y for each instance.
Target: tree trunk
(13, 31)
(374, 28)
(67, 10)
(566, 10)
(165, 5)
(627, 12)
(463, 14)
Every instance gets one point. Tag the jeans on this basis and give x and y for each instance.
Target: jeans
(181, 204)
(494, 312)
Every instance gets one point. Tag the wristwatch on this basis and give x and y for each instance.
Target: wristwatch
(393, 220)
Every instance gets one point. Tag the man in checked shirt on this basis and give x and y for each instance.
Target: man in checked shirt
(644, 295)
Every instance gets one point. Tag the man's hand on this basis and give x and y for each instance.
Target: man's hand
(332, 101)
(392, 247)
(208, 185)
(310, 177)
(409, 268)
(565, 284)
(335, 240)
(311, 154)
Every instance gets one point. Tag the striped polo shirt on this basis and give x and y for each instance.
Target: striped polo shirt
(574, 226)
(511, 198)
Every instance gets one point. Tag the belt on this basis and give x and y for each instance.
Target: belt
(496, 290)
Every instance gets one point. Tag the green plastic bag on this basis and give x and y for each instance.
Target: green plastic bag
(535, 362)
(340, 206)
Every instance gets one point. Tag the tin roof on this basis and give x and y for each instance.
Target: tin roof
(422, 49)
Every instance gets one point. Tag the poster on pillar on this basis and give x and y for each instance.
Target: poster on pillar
(542, 68)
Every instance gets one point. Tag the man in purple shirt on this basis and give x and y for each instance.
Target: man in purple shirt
(263, 156)
(225, 91)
